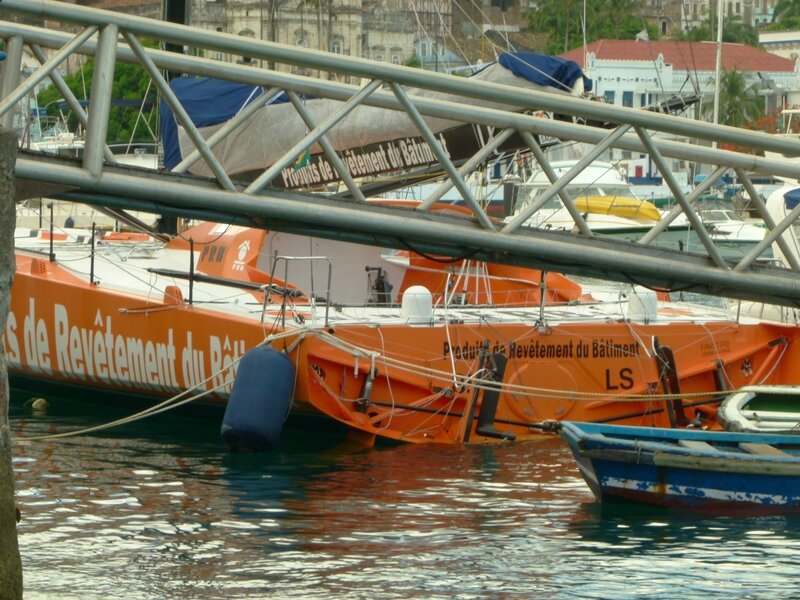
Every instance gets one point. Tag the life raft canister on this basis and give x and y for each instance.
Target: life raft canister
(262, 392)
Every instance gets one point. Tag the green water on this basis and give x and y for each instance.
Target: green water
(159, 510)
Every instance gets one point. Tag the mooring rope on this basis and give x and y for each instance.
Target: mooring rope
(175, 401)
(468, 380)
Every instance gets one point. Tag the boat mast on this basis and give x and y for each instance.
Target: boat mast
(718, 66)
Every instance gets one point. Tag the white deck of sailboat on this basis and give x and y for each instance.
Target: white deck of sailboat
(123, 268)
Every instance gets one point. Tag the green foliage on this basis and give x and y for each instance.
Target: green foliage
(739, 102)
(414, 61)
(788, 23)
(734, 31)
(784, 10)
(131, 83)
(561, 21)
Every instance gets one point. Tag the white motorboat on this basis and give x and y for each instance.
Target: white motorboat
(762, 409)
(734, 236)
(606, 200)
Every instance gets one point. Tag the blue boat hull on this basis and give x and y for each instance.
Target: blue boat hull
(691, 488)
(708, 471)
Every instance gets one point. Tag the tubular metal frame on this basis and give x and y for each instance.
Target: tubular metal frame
(112, 37)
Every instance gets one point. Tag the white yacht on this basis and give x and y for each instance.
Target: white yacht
(606, 200)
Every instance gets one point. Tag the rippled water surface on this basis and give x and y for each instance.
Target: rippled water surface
(159, 509)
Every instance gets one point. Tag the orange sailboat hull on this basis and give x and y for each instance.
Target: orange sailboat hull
(576, 372)
(466, 375)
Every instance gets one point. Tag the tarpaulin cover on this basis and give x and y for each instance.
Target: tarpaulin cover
(791, 198)
(207, 102)
(269, 133)
(545, 70)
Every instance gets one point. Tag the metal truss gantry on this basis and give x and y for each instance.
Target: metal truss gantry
(98, 180)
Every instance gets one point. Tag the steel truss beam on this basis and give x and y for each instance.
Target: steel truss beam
(436, 233)
(97, 181)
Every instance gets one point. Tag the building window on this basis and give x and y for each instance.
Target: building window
(302, 43)
(609, 96)
(336, 46)
(379, 57)
(395, 59)
(627, 99)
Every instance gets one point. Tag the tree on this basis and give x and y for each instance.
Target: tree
(131, 88)
(734, 31)
(739, 102)
(786, 23)
(561, 21)
(785, 9)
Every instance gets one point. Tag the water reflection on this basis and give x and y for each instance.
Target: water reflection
(158, 509)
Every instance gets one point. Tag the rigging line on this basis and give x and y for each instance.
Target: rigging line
(505, 32)
(695, 81)
(488, 20)
(140, 117)
(386, 370)
(475, 382)
(653, 60)
(175, 401)
(249, 98)
(169, 404)
(423, 31)
(449, 34)
(478, 27)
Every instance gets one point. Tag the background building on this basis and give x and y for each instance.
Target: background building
(640, 73)
(782, 43)
(383, 30)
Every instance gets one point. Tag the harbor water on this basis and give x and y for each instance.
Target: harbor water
(158, 509)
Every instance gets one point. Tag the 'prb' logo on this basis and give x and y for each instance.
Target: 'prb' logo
(244, 248)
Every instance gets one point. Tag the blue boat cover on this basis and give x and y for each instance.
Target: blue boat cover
(542, 69)
(207, 102)
(791, 198)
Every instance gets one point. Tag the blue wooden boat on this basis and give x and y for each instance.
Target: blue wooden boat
(688, 468)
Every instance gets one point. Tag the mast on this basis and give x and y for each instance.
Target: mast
(718, 66)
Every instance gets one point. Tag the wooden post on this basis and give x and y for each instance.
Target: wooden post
(10, 563)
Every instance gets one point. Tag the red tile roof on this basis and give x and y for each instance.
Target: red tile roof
(686, 56)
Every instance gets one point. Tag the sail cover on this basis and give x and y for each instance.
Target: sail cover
(544, 70)
(369, 140)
